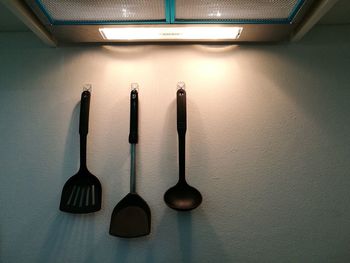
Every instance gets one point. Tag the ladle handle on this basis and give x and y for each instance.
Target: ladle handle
(181, 111)
(134, 107)
(181, 130)
(84, 125)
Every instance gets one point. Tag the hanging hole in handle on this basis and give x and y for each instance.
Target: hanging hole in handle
(87, 87)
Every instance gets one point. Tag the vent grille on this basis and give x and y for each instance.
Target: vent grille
(237, 10)
(103, 10)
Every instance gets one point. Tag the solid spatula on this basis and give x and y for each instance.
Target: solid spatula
(82, 192)
(131, 217)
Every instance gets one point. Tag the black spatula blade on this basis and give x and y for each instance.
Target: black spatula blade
(81, 194)
(131, 217)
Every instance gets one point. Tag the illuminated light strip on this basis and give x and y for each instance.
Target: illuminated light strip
(171, 33)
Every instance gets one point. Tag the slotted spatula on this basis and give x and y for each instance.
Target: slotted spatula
(131, 217)
(82, 192)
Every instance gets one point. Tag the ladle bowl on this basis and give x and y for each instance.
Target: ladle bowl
(182, 197)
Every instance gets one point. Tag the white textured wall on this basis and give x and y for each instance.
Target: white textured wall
(268, 147)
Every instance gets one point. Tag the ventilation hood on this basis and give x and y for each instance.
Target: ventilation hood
(119, 21)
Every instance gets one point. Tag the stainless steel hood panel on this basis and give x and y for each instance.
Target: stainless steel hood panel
(79, 21)
(89, 34)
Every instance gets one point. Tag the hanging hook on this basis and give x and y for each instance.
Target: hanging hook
(135, 86)
(181, 85)
(87, 87)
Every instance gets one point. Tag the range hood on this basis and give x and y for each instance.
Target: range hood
(115, 21)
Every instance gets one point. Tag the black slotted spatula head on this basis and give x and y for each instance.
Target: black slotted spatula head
(82, 193)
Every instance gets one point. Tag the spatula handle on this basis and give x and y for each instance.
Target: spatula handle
(134, 107)
(84, 113)
(84, 126)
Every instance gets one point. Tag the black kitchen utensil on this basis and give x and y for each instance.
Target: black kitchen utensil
(131, 217)
(182, 196)
(82, 192)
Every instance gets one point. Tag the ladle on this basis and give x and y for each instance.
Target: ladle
(182, 196)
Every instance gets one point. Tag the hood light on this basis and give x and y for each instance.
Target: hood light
(171, 33)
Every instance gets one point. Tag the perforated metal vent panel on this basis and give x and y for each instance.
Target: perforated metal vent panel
(81, 11)
(237, 10)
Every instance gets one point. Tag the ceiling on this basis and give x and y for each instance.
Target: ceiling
(339, 14)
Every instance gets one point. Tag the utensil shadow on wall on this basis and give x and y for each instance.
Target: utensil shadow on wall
(71, 153)
(115, 166)
(68, 236)
(183, 236)
(184, 224)
(198, 240)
